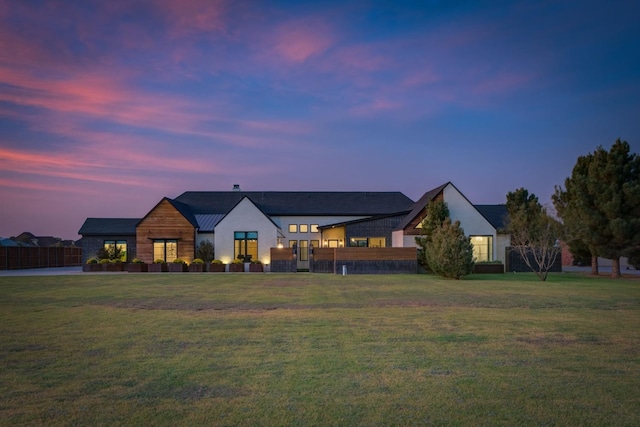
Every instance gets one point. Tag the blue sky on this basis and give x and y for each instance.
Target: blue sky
(106, 107)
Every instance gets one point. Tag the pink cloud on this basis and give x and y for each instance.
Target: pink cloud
(297, 41)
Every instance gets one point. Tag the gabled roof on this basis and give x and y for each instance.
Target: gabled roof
(495, 214)
(273, 203)
(208, 222)
(109, 226)
(359, 221)
(184, 210)
(420, 205)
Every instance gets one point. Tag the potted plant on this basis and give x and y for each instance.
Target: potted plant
(236, 266)
(217, 266)
(92, 265)
(196, 266)
(158, 266)
(178, 266)
(137, 266)
(256, 267)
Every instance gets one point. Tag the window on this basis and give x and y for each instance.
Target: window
(304, 228)
(482, 248)
(166, 250)
(245, 245)
(314, 228)
(368, 242)
(121, 245)
(303, 250)
(315, 243)
(293, 228)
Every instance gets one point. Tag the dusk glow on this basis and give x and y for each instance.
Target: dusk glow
(107, 107)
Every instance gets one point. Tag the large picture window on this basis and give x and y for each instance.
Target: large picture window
(246, 245)
(482, 248)
(166, 250)
(120, 245)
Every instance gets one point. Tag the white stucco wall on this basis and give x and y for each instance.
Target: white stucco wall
(245, 217)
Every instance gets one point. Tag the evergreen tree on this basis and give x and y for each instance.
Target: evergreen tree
(600, 204)
(449, 252)
(437, 213)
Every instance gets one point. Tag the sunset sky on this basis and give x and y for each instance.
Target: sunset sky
(108, 106)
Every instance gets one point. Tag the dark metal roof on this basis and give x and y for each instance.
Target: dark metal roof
(298, 203)
(109, 226)
(495, 214)
(418, 206)
(362, 220)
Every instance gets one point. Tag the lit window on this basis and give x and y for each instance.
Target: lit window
(304, 228)
(245, 245)
(293, 228)
(117, 245)
(166, 250)
(303, 250)
(482, 248)
(314, 228)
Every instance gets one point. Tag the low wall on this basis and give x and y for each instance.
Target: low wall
(364, 260)
(283, 260)
(18, 258)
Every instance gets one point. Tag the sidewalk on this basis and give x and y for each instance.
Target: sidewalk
(57, 271)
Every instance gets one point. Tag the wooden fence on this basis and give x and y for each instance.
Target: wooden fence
(364, 260)
(17, 258)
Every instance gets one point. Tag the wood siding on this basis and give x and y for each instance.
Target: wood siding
(165, 222)
(411, 230)
(365, 254)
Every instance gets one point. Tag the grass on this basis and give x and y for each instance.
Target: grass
(303, 349)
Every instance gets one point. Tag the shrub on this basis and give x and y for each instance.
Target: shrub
(197, 261)
(205, 251)
(178, 261)
(256, 262)
(92, 261)
(216, 261)
(450, 253)
(137, 261)
(159, 261)
(104, 261)
(237, 261)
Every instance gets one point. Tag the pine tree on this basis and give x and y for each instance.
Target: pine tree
(449, 252)
(600, 204)
(437, 213)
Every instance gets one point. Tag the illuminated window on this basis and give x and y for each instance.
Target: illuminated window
(121, 245)
(245, 245)
(303, 250)
(482, 248)
(166, 250)
(293, 243)
(293, 228)
(304, 228)
(314, 228)
(368, 242)
(315, 243)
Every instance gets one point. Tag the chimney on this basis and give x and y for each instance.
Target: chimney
(236, 187)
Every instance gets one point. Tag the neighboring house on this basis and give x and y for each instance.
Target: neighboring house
(241, 224)
(31, 240)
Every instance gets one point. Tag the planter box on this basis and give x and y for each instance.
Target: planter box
(196, 268)
(157, 268)
(137, 268)
(488, 268)
(92, 268)
(256, 268)
(217, 268)
(177, 267)
(236, 268)
(114, 267)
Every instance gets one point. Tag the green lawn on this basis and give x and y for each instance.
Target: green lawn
(304, 349)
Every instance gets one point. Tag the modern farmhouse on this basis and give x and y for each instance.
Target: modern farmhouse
(249, 223)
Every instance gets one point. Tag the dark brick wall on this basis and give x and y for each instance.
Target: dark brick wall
(381, 227)
(91, 244)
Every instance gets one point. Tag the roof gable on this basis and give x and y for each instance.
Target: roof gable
(420, 206)
(109, 226)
